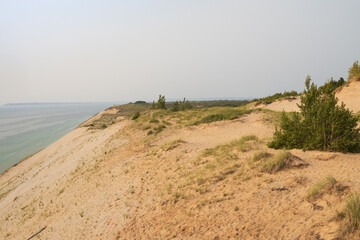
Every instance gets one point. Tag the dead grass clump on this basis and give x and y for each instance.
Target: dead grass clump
(171, 145)
(258, 155)
(326, 183)
(276, 163)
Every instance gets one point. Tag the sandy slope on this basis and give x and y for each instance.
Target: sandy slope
(287, 105)
(348, 94)
(118, 183)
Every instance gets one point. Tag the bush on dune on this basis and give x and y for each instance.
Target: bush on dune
(321, 125)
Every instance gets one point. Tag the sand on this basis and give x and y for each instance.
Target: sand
(118, 183)
(349, 94)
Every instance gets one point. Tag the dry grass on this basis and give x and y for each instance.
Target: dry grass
(171, 145)
(276, 163)
(325, 183)
(352, 211)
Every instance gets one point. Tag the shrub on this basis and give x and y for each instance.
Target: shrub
(175, 107)
(277, 96)
(135, 116)
(161, 102)
(185, 105)
(331, 85)
(321, 125)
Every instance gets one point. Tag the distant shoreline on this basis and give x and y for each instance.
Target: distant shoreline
(57, 103)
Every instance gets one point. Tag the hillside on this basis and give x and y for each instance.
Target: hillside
(175, 175)
(349, 94)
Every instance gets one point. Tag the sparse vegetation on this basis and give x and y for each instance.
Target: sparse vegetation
(322, 124)
(276, 163)
(331, 85)
(171, 145)
(318, 188)
(136, 116)
(352, 211)
(261, 154)
(277, 96)
(226, 114)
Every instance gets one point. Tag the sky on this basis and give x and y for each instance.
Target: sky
(93, 50)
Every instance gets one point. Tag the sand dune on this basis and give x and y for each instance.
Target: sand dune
(119, 183)
(348, 94)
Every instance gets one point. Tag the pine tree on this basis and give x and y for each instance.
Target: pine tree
(161, 102)
(322, 124)
(176, 107)
(354, 71)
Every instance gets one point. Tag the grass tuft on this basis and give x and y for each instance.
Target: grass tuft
(171, 145)
(326, 183)
(276, 163)
(258, 155)
(352, 211)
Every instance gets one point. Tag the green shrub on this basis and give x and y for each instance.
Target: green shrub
(277, 96)
(185, 105)
(321, 125)
(135, 116)
(331, 85)
(175, 107)
(159, 129)
(161, 103)
(154, 120)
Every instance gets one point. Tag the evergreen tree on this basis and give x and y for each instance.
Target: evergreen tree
(322, 124)
(184, 105)
(161, 102)
(176, 107)
(354, 71)
(153, 105)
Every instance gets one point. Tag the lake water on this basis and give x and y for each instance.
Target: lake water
(26, 129)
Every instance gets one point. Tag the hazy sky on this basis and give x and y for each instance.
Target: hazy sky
(71, 51)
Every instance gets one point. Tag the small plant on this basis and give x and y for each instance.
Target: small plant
(154, 120)
(352, 211)
(81, 214)
(147, 127)
(150, 132)
(276, 163)
(326, 183)
(136, 116)
(159, 129)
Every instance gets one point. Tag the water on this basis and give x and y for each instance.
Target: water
(26, 129)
